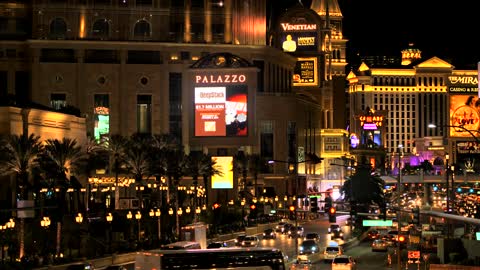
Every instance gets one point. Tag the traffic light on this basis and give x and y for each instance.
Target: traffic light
(313, 204)
(416, 216)
(332, 217)
(253, 210)
(291, 210)
(353, 214)
(401, 239)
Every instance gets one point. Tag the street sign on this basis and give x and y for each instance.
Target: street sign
(414, 254)
(377, 222)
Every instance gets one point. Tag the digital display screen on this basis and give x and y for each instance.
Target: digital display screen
(464, 112)
(224, 180)
(305, 72)
(299, 41)
(221, 111)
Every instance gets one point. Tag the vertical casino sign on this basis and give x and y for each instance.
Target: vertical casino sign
(220, 105)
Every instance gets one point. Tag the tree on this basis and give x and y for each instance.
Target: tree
(61, 160)
(115, 145)
(240, 167)
(196, 164)
(364, 189)
(19, 156)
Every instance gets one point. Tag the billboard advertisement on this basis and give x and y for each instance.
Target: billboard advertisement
(223, 180)
(298, 36)
(221, 111)
(464, 112)
(305, 72)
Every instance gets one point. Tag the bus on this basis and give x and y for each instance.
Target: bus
(218, 259)
(182, 245)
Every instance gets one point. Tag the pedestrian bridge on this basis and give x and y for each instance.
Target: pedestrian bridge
(431, 179)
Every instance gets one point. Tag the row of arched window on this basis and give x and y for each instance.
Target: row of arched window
(100, 28)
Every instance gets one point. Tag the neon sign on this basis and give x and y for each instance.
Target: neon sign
(367, 120)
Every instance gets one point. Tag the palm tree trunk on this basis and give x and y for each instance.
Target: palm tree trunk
(22, 238)
(59, 239)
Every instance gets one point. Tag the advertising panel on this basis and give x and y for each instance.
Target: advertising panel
(464, 111)
(305, 72)
(463, 84)
(298, 35)
(299, 42)
(223, 180)
(221, 111)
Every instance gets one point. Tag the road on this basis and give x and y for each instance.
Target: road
(366, 259)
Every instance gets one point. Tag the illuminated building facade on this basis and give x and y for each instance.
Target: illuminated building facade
(411, 97)
(132, 66)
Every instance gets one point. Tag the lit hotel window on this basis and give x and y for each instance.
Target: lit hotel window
(144, 114)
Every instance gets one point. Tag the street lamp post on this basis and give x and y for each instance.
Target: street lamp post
(293, 169)
(138, 216)
(109, 219)
(399, 200)
(157, 214)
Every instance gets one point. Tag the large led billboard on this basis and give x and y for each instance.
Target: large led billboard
(221, 111)
(298, 37)
(305, 72)
(223, 180)
(464, 111)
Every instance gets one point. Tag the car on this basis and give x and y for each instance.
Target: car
(331, 252)
(312, 236)
(373, 234)
(301, 264)
(336, 235)
(334, 227)
(286, 228)
(218, 244)
(344, 262)
(389, 239)
(379, 245)
(308, 247)
(269, 234)
(249, 241)
(116, 267)
(297, 231)
(239, 239)
(280, 227)
(394, 234)
(80, 266)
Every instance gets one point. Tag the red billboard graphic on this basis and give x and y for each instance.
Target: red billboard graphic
(221, 111)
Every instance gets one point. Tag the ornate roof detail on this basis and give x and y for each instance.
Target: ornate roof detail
(221, 60)
(320, 6)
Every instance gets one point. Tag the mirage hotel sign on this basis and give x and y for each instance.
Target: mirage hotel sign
(462, 84)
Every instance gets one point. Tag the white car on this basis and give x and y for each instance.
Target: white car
(344, 262)
(331, 252)
(249, 241)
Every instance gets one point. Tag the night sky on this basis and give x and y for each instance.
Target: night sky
(446, 29)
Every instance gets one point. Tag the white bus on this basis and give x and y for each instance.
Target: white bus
(182, 245)
(218, 259)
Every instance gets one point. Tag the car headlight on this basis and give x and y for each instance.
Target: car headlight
(341, 234)
(314, 248)
(264, 234)
(300, 248)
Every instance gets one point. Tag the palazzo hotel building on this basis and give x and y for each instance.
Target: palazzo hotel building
(161, 66)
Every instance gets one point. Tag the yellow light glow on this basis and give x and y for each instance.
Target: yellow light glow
(81, 31)
(224, 165)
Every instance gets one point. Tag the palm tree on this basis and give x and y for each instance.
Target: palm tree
(96, 158)
(115, 145)
(62, 159)
(210, 169)
(364, 189)
(19, 156)
(196, 165)
(137, 159)
(240, 167)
